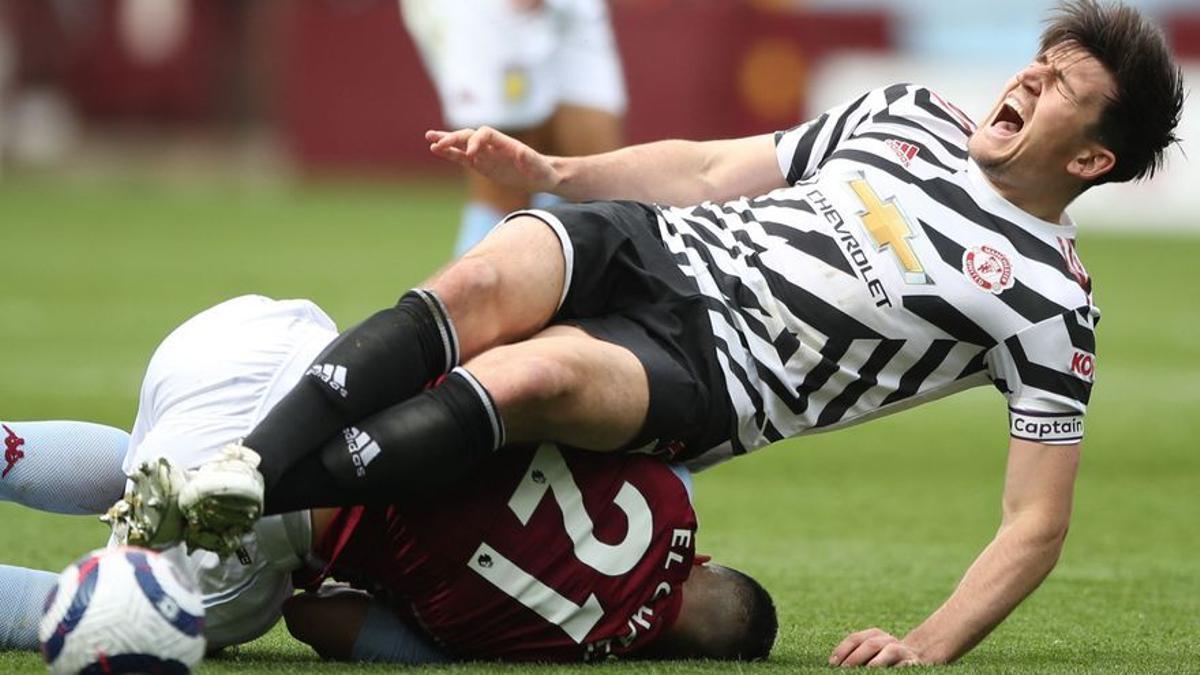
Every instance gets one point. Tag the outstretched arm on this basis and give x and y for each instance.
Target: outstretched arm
(1038, 490)
(348, 625)
(677, 173)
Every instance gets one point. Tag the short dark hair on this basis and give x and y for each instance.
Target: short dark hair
(1138, 123)
(761, 625)
(737, 622)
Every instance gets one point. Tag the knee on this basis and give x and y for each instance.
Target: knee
(549, 377)
(472, 281)
(517, 376)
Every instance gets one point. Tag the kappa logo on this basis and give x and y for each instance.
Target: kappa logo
(988, 268)
(362, 448)
(334, 376)
(907, 152)
(1084, 365)
(12, 450)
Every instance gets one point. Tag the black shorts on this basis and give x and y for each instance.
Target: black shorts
(624, 287)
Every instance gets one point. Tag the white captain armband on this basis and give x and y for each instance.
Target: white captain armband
(1045, 427)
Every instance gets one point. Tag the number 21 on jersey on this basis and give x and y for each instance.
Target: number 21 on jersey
(548, 472)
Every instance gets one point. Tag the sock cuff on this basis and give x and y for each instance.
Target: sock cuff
(441, 319)
(489, 405)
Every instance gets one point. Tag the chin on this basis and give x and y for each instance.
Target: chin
(986, 157)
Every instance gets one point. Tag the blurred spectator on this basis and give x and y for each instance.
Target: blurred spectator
(39, 125)
(6, 71)
(544, 71)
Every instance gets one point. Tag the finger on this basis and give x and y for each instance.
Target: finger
(479, 139)
(890, 655)
(864, 652)
(840, 652)
(450, 154)
(850, 643)
(457, 138)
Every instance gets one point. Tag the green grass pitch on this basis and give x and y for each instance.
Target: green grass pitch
(869, 526)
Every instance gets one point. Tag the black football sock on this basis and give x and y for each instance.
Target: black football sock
(378, 363)
(307, 484)
(410, 449)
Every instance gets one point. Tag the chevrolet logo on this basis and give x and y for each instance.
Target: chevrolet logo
(888, 229)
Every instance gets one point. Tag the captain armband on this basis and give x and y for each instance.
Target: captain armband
(1045, 427)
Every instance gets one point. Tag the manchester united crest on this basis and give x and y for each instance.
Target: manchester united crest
(988, 268)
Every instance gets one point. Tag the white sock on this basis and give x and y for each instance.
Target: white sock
(544, 200)
(62, 467)
(22, 596)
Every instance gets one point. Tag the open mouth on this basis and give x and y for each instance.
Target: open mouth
(1008, 121)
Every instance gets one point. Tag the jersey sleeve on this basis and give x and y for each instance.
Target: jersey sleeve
(1046, 371)
(802, 150)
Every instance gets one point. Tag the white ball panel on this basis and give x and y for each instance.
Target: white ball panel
(120, 619)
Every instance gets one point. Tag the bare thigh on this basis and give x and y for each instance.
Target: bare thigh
(566, 386)
(506, 288)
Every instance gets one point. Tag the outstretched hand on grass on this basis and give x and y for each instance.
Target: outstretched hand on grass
(497, 156)
(874, 648)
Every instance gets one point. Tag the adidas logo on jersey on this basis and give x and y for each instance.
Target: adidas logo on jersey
(905, 151)
(334, 376)
(363, 450)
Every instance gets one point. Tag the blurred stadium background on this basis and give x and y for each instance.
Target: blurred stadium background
(268, 89)
(158, 156)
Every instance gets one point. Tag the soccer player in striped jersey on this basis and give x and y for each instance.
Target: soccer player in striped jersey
(887, 253)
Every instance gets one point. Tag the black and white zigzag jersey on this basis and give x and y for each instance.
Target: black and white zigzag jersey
(890, 273)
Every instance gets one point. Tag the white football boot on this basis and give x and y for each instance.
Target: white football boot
(149, 515)
(222, 499)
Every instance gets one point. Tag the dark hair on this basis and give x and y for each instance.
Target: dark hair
(761, 625)
(1138, 123)
(736, 622)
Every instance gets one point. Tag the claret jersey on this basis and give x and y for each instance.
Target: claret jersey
(541, 554)
(889, 273)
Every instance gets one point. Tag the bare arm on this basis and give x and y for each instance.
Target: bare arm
(348, 625)
(677, 173)
(1039, 485)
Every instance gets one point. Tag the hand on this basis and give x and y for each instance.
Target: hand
(501, 158)
(874, 648)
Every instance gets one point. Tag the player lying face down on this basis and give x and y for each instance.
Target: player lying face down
(543, 555)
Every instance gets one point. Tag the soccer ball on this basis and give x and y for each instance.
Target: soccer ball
(122, 610)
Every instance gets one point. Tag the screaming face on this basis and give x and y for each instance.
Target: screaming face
(1038, 135)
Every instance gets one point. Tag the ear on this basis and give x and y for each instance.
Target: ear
(1092, 162)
